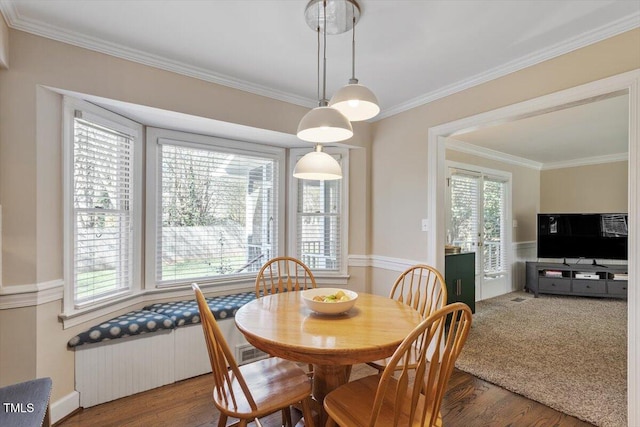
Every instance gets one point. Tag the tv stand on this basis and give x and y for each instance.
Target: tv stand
(593, 280)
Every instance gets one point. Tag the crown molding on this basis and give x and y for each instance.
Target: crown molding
(15, 21)
(585, 39)
(465, 147)
(610, 158)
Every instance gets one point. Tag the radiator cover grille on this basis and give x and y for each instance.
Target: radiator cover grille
(246, 353)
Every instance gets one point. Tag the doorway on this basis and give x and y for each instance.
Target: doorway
(628, 82)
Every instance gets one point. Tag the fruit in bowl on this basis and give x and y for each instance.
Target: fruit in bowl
(329, 300)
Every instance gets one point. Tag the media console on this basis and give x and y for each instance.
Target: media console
(608, 281)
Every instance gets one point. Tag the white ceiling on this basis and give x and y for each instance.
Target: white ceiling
(407, 52)
(595, 131)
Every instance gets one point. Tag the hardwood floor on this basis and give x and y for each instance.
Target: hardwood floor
(469, 402)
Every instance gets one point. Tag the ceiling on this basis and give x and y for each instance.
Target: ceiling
(408, 52)
(594, 131)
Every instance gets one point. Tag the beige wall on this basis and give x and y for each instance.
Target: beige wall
(18, 345)
(525, 191)
(592, 188)
(399, 153)
(32, 341)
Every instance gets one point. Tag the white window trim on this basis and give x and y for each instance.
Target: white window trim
(153, 140)
(135, 130)
(294, 155)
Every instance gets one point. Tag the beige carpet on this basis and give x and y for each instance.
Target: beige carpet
(568, 353)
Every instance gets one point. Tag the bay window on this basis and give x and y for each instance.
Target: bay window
(214, 211)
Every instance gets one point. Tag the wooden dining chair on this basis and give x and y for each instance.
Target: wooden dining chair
(251, 391)
(423, 288)
(404, 394)
(283, 274)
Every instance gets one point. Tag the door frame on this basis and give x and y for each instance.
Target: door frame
(629, 82)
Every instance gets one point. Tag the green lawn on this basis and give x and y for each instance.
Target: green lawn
(102, 281)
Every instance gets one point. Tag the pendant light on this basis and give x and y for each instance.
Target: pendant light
(354, 100)
(323, 123)
(320, 125)
(317, 165)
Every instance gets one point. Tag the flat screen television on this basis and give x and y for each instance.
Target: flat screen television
(590, 236)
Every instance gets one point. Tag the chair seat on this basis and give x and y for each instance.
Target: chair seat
(273, 382)
(350, 405)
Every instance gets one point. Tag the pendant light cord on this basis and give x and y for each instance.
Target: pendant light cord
(324, 55)
(318, 63)
(353, 48)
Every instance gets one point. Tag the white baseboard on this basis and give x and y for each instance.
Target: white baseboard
(63, 407)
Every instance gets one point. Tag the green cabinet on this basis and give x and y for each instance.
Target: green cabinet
(460, 275)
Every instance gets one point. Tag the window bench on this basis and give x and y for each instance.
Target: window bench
(150, 347)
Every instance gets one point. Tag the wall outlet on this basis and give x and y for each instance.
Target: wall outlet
(425, 225)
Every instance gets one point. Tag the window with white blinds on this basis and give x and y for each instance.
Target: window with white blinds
(318, 237)
(477, 217)
(320, 220)
(494, 228)
(464, 190)
(103, 191)
(217, 211)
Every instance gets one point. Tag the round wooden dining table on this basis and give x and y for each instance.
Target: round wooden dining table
(282, 325)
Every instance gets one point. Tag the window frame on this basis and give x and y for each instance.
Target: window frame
(118, 123)
(153, 141)
(342, 155)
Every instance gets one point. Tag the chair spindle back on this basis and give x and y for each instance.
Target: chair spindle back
(283, 274)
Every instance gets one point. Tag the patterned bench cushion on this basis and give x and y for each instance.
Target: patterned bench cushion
(164, 315)
(186, 312)
(132, 323)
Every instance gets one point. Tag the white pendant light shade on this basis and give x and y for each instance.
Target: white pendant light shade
(324, 124)
(317, 165)
(356, 102)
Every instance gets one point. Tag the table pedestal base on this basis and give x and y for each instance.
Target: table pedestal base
(327, 378)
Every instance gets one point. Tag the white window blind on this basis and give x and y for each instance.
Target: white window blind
(495, 192)
(319, 223)
(217, 211)
(102, 214)
(463, 227)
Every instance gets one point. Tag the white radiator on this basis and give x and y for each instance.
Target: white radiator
(114, 369)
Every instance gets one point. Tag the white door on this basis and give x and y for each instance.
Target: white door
(478, 212)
